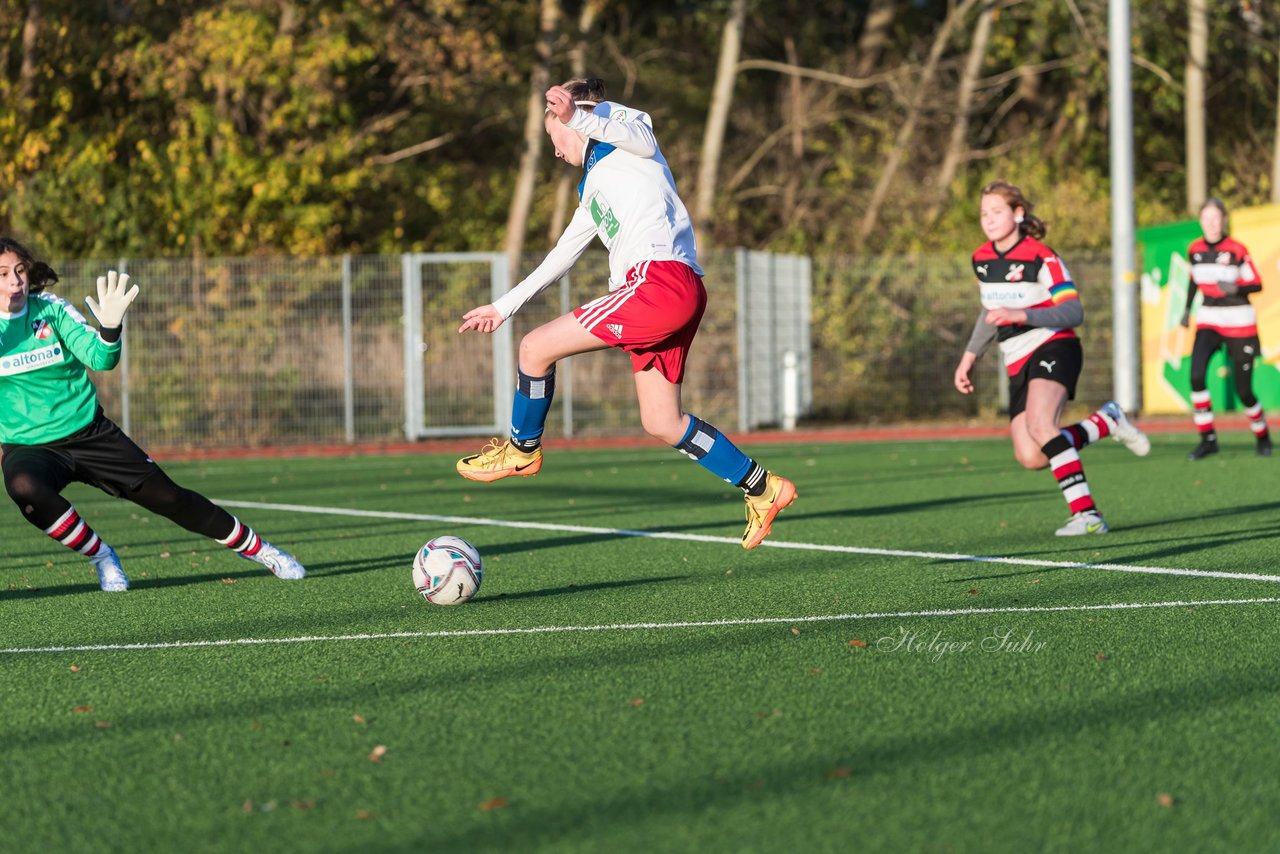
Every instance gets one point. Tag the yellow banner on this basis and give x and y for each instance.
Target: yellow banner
(1166, 345)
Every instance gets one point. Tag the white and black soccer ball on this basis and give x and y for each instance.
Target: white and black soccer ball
(447, 571)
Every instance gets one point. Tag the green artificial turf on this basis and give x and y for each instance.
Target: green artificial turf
(1066, 730)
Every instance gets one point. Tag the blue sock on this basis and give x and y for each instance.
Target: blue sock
(713, 451)
(530, 407)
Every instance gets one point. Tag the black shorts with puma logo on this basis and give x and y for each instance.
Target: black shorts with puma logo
(1059, 360)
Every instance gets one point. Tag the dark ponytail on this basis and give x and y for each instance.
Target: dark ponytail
(39, 274)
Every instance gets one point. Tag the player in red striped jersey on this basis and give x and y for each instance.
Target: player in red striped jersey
(1030, 304)
(1224, 276)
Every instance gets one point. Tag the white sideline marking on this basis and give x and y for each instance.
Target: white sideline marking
(776, 544)
(621, 627)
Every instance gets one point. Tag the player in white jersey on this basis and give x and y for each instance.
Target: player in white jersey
(628, 199)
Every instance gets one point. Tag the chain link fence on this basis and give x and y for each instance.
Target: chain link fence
(888, 333)
(250, 352)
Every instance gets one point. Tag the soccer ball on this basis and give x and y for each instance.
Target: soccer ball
(447, 571)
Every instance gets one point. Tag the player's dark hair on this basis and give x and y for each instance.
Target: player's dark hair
(586, 89)
(39, 274)
(1215, 202)
(1031, 225)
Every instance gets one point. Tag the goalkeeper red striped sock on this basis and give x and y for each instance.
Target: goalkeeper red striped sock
(242, 539)
(72, 532)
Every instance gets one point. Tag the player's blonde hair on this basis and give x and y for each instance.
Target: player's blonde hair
(1031, 226)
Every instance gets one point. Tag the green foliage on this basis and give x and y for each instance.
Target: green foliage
(216, 128)
(244, 127)
(231, 127)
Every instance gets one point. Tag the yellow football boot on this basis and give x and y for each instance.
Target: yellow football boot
(497, 460)
(761, 509)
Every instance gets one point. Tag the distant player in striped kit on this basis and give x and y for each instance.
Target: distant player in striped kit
(1224, 275)
(627, 198)
(53, 432)
(1030, 304)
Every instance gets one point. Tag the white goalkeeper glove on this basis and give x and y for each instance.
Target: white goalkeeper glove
(113, 299)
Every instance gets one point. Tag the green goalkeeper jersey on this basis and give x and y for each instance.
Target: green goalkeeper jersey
(45, 391)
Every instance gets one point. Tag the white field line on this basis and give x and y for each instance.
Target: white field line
(776, 544)
(624, 627)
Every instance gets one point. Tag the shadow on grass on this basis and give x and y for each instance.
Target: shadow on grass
(362, 528)
(1040, 570)
(335, 568)
(136, 584)
(1219, 513)
(872, 756)
(185, 543)
(503, 598)
(286, 697)
(1173, 547)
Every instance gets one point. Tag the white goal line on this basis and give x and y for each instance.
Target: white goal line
(776, 544)
(623, 627)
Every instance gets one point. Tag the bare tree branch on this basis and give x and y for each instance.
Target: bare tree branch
(1024, 70)
(413, 150)
(718, 116)
(628, 66)
(875, 34)
(842, 80)
(539, 82)
(960, 127)
(27, 73)
(577, 68)
(1101, 48)
(1157, 71)
(903, 140)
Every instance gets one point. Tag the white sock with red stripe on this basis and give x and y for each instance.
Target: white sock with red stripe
(1257, 421)
(1064, 461)
(242, 539)
(1203, 414)
(1097, 426)
(72, 532)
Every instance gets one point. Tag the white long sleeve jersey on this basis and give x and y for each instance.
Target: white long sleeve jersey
(627, 197)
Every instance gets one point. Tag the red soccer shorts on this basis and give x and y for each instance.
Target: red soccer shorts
(654, 316)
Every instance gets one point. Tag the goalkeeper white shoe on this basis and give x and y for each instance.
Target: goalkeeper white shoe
(1125, 431)
(111, 577)
(281, 563)
(1084, 522)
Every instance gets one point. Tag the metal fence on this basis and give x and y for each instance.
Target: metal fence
(889, 331)
(249, 352)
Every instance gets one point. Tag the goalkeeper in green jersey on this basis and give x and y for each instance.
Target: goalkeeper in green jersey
(53, 432)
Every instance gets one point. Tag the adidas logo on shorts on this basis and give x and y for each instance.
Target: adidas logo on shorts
(615, 328)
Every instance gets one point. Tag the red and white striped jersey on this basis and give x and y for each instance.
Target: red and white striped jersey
(1027, 275)
(1215, 264)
